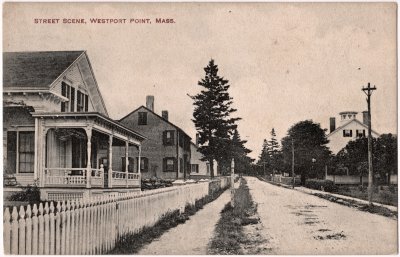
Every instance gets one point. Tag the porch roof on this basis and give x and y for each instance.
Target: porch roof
(91, 116)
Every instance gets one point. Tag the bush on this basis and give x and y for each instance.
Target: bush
(320, 184)
(30, 194)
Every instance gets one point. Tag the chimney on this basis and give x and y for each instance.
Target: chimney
(150, 102)
(332, 124)
(365, 117)
(164, 114)
(197, 139)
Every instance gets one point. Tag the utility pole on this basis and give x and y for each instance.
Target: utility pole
(294, 177)
(368, 91)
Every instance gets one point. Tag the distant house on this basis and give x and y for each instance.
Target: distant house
(166, 153)
(200, 169)
(56, 130)
(350, 128)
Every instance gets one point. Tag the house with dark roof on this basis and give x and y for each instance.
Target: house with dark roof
(56, 129)
(350, 128)
(166, 152)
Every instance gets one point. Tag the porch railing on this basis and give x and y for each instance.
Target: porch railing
(119, 179)
(73, 177)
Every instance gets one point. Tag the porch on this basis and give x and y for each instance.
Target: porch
(83, 151)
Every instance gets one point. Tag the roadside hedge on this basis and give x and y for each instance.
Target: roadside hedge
(320, 184)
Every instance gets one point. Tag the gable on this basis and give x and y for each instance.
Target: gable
(353, 124)
(80, 76)
(153, 120)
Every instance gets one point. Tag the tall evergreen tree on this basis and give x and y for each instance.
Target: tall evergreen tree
(212, 115)
(264, 159)
(274, 152)
(239, 153)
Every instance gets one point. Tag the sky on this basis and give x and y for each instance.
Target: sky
(285, 62)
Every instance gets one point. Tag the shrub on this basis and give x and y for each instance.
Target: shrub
(392, 189)
(30, 194)
(319, 184)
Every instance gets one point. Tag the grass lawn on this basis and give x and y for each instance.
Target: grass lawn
(229, 235)
(381, 195)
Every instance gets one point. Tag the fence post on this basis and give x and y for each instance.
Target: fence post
(41, 230)
(35, 241)
(46, 229)
(14, 231)
(21, 230)
(7, 231)
(28, 236)
(52, 238)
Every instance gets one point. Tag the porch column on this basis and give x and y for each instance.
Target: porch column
(89, 156)
(126, 161)
(139, 162)
(35, 158)
(42, 171)
(110, 140)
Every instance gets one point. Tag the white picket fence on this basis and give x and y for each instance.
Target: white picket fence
(90, 226)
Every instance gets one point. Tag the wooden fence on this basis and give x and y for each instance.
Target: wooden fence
(90, 226)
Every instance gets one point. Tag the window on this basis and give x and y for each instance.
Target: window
(180, 165)
(347, 133)
(169, 137)
(194, 168)
(20, 151)
(181, 139)
(360, 132)
(170, 164)
(130, 164)
(68, 92)
(82, 102)
(142, 118)
(144, 164)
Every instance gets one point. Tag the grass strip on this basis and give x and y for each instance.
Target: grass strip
(229, 235)
(132, 243)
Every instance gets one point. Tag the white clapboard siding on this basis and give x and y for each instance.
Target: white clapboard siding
(91, 225)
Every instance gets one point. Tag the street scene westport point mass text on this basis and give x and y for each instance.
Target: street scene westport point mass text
(102, 21)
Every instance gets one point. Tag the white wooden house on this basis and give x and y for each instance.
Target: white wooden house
(56, 130)
(350, 128)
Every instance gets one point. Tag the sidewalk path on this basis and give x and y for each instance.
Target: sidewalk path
(192, 237)
(312, 191)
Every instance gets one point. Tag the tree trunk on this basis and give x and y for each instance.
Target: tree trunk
(211, 168)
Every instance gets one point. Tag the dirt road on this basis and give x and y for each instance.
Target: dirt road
(298, 223)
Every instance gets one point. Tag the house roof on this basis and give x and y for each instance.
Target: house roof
(35, 69)
(346, 124)
(147, 109)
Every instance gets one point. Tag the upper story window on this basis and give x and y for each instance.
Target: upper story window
(347, 133)
(82, 99)
(360, 132)
(142, 118)
(68, 92)
(169, 137)
(181, 139)
(82, 102)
